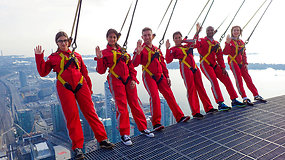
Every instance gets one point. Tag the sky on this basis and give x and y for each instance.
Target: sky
(27, 23)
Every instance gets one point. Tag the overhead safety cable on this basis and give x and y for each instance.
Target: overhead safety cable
(197, 18)
(125, 19)
(205, 17)
(162, 39)
(76, 20)
(216, 30)
(126, 41)
(223, 35)
(246, 42)
(254, 14)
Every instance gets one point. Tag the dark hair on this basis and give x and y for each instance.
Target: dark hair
(175, 33)
(112, 31)
(59, 34)
(233, 29)
(146, 29)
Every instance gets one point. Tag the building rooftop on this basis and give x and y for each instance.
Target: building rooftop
(256, 132)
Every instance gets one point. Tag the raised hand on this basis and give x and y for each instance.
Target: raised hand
(139, 47)
(198, 27)
(38, 50)
(228, 40)
(167, 44)
(98, 52)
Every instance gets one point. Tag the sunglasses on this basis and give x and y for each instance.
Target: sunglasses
(62, 41)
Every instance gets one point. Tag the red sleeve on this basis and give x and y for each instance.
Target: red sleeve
(163, 65)
(101, 64)
(43, 67)
(220, 58)
(84, 72)
(133, 72)
(136, 59)
(228, 49)
(169, 55)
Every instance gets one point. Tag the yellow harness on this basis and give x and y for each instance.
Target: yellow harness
(115, 61)
(149, 60)
(233, 58)
(204, 58)
(64, 66)
(185, 56)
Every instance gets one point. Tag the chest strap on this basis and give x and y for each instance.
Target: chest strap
(237, 51)
(151, 56)
(183, 60)
(64, 66)
(212, 47)
(123, 56)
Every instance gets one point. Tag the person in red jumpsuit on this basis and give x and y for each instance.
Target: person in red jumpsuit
(213, 66)
(122, 81)
(190, 73)
(155, 77)
(235, 49)
(73, 86)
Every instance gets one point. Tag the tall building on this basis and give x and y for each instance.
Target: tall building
(166, 114)
(111, 113)
(22, 78)
(25, 120)
(58, 120)
(87, 131)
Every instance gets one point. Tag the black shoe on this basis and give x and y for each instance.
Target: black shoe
(223, 107)
(198, 116)
(158, 127)
(247, 102)
(212, 111)
(260, 99)
(106, 144)
(184, 119)
(78, 154)
(236, 103)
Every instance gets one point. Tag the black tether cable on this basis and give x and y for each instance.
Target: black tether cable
(74, 45)
(126, 41)
(162, 39)
(246, 42)
(223, 35)
(205, 17)
(197, 19)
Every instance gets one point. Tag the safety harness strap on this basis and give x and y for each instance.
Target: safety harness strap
(241, 51)
(63, 67)
(151, 55)
(115, 61)
(212, 47)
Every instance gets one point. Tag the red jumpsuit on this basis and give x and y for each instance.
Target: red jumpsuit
(192, 81)
(156, 82)
(68, 99)
(211, 63)
(122, 93)
(237, 60)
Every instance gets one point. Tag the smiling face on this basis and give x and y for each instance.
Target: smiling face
(147, 36)
(236, 31)
(177, 38)
(62, 43)
(112, 39)
(210, 32)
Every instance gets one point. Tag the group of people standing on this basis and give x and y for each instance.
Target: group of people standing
(74, 85)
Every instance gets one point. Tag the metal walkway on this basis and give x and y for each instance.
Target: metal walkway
(256, 132)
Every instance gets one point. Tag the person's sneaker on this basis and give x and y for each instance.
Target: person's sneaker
(198, 116)
(247, 102)
(260, 99)
(147, 133)
(78, 154)
(106, 144)
(223, 107)
(184, 119)
(212, 111)
(158, 127)
(126, 140)
(236, 103)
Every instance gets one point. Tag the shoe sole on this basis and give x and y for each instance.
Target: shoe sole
(186, 119)
(107, 147)
(159, 128)
(224, 109)
(259, 101)
(199, 118)
(239, 106)
(80, 158)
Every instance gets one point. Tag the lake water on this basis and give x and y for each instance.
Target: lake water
(269, 82)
